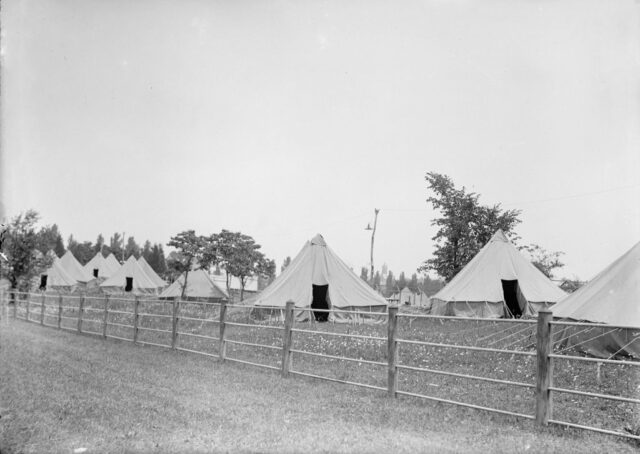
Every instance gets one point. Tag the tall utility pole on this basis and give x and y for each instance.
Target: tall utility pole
(123, 246)
(373, 235)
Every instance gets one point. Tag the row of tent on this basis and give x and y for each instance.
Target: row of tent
(498, 282)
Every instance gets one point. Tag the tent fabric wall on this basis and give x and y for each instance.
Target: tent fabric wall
(58, 278)
(106, 268)
(317, 264)
(199, 287)
(142, 284)
(611, 297)
(151, 273)
(74, 268)
(477, 288)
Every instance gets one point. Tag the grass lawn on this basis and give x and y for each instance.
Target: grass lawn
(60, 391)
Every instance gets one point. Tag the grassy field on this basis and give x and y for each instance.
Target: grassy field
(62, 391)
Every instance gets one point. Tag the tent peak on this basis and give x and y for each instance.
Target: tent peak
(499, 236)
(318, 240)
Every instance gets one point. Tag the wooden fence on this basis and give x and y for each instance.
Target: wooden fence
(110, 317)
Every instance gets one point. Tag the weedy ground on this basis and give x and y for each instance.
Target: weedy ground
(60, 391)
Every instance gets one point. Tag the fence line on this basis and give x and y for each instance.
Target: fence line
(34, 309)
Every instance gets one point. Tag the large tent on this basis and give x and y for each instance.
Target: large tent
(113, 261)
(199, 287)
(318, 279)
(75, 269)
(497, 282)
(611, 297)
(130, 278)
(101, 268)
(57, 278)
(151, 273)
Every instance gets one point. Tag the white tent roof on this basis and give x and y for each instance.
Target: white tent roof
(58, 277)
(480, 279)
(106, 268)
(74, 268)
(317, 264)
(151, 273)
(234, 283)
(199, 285)
(131, 268)
(613, 296)
(113, 261)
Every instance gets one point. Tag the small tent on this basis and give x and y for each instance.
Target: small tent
(57, 278)
(113, 261)
(611, 297)
(200, 287)
(74, 268)
(151, 273)
(497, 282)
(101, 268)
(318, 279)
(130, 278)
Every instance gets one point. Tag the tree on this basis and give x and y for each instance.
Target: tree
(83, 252)
(239, 255)
(132, 248)
(464, 225)
(376, 280)
(285, 264)
(364, 274)
(402, 281)
(189, 248)
(146, 251)
(413, 284)
(157, 261)
(19, 243)
(542, 259)
(48, 237)
(115, 246)
(99, 244)
(390, 283)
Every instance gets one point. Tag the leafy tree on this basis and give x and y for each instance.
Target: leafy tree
(115, 246)
(463, 227)
(364, 274)
(132, 248)
(48, 237)
(146, 251)
(19, 245)
(542, 259)
(285, 264)
(239, 255)
(413, 283)
(83, 252)
(58, 248)
(402, 281)
(156, 260)
(188, 249)
(99, 244)
(390, 284)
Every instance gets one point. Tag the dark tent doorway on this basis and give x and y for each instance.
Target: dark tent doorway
(510, 291)
(320, 301)
(43, 282)
(95, 272)
(129, 284)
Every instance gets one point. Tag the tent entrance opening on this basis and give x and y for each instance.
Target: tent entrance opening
(510, 291)
(320, 301)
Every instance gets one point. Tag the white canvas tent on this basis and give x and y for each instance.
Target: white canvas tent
(130, 278)
(612, 297)
(317, 277)
(101, 268)
(74, 268)
(113, 262)
(497, 282)
(57, 278)
(199, 287)
(151, 273)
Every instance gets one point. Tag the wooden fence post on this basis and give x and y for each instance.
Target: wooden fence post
(222, 349)
(80, 310)
(105, 317)
(135, 319)
(174, 324)
(15, 304)
(544, 377)
(27, 308)
(59, 310)
(42, 309)
(286, 341)
(392, 352)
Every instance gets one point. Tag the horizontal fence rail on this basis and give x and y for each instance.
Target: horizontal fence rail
(408, 350)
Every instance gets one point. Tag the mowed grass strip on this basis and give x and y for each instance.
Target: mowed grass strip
(61, 391)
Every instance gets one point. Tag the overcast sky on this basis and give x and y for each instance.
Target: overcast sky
(282, 119)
